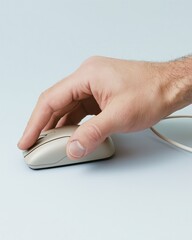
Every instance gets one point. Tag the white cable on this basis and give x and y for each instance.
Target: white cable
(179, 145)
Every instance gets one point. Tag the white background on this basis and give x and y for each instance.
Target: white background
(145, 191)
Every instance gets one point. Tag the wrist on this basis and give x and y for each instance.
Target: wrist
(176, 83)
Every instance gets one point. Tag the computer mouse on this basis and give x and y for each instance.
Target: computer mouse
(50, 149)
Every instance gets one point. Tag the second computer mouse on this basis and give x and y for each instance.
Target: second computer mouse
(50, 149)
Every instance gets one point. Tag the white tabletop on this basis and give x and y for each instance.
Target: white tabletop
(145, 191)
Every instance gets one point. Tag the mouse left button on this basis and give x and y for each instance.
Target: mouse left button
(47, 154)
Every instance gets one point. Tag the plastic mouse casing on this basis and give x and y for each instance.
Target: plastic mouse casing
(50, 149)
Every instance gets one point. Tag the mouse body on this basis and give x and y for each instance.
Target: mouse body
(50, 149)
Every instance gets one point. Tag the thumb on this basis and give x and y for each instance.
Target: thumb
(89, 135)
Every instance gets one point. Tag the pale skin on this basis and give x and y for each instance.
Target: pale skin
(124, 96)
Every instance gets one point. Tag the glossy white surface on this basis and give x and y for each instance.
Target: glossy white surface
(145, 191)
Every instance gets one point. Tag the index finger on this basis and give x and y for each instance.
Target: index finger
(59, 96)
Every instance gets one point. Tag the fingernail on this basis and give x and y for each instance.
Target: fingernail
(76, 149)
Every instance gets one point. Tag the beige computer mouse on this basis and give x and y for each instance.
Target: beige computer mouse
(50, 149)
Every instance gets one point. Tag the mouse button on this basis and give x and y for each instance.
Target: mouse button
(47, 154)
(46, 134)
(66, 131)
(38, 143)
(40, 140)
(49, 133)
(42, 135)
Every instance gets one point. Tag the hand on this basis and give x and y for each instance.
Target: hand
(123, 95)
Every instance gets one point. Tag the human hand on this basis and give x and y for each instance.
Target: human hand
(123, 95)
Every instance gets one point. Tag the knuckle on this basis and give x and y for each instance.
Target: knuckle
(92, 68)
(94, 133)
(56, 115)
(44, 99)
(92, 64)
(91, 60)
(43, 96)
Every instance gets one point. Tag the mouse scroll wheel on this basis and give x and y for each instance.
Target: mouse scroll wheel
(42, 135)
